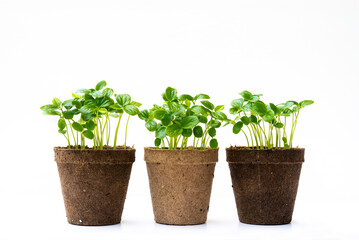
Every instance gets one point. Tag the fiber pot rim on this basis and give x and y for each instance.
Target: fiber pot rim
(243, 155)
(94, 156)
(181, 156)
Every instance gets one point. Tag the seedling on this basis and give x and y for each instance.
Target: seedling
(265, 125)
(88, 115)
(181, 118)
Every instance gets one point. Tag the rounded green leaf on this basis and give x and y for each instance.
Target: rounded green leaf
(108, 92)
(171, 93)
(245, 120)
(187, 132)
(233, 111)
(246, 95)
(208, 104)
(67, 104)
(51, 112)
(87, 117)
(184, 97)
(237, 127)
(83, 90)
(68, 114)
(215, 123)
(212, 132)
(305, 103)
(131, 110)
(199, 110)
(159, 114)
(259, 108)
(100, 85)
(136, 104)
(77, 126)
(253, 119)
(213, 143)
(144, 114)
(49, 107)
(198, 131)
(123, 99)
(189, 122)
(166, 120)
(151, 125)
(88, 134)
(173, 106)
(237, 103)
(202, 119)
(87, 109)
(91, 125)
(219, 115)
(61, 123)
(57, 102)
(174, 130)
(161, 132)
(201, 96)
(219, 108)
(269, 116)
(279, 125)
(62, 131)
(157, 142)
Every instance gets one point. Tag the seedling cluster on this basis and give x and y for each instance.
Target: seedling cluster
(87, 115)
(181, 118)
(265, 125)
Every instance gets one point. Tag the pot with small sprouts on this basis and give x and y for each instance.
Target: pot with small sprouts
(94, 179)
(265, 173)
(181, 175)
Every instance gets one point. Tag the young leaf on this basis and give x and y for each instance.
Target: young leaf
(253, 119)
(151, 125)
(123, 99)
(199, 110)
(131, 110)
(97, 94)
(189, 122)
(184, 97)
(90, 125)
(202, 119)
(208, 104)
(161, 133)
(245, 120)
(157, 142)
(198, 131)
(219, 115)
(305, 103)
(237, 127)
(212, 132)
(259, 108)
(67, 104)
(279, 125)
(62, 131)
(233, 111)
(49, 107)
(173, 106)
(87, 109)
(78, 127)
(100, 85)
(237, 103)
(215, 123)
(88, 134)
(246, 95)
(269, 116)
(171, 94)
(159, 114)
(201, 96)
(219, 108)
(187, 132)
(136, 104)
(68, 114)
(57, 102)
(108, 92)
(144, 114)
(174, 130)
(213, 143)
(166, 120)
(61, 123)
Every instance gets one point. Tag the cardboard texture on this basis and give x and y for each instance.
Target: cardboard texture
(180, 184)
(265, 183)
(94, 183)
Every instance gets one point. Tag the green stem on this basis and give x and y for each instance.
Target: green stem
(128, 119)
(118, 125)
(73, 135)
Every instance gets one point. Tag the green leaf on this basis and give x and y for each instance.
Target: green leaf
(171, 94)
(253, 119)
(187, 132)
(305, 103)
(104, 102)
(174, 130)
(208, 104)
(88, 134)
(102, 110)
(213, 143)
(198, 131)
(219, 108)
(237, 103)
(212, 132)
(259, 108)
(233, 111)
(100, 85)
(131, 110)
(269, 116)
(87, 117)
(189, 122)
(279, 125)
(199, 110)
(61, 123)
(219, 115)
(49, 107)
(123, 99)
(91, 125)
(184, 97)
(83, 90)
(97, 94)
(57, 102)
(77, 126)
(87, 109)
(274, 108)
(215, 123)
(144, 114)
(245, 120)
(284, 140)
(62, 131)
(68, 114)
(237, 127)
(173, 106)
(246, 95)
(161, 132)
(202, 119)
(108, 92)
(77, 103)
(136, 104)
(166, 120)
(76, 96)
(151, 125)
(159, 114)
(201, 96)
(157, 142)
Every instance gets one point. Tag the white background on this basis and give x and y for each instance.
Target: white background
(287, 50)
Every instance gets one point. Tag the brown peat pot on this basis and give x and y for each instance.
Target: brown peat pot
(180, 184)
(265, 183)
(94, 183)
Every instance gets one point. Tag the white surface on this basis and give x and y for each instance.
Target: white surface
(283, 49)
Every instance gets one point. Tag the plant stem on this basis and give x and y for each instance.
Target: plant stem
(118, 125)
(128, 119)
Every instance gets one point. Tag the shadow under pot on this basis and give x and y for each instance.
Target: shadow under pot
(94, 183)
(265, 183)
(180, 184)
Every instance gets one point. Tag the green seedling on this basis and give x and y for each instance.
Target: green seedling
(87, 115)
(265, 125)
(181, 118)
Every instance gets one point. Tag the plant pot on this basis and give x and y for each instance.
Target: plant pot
(265, 183)
(180, 184)
(94, 183)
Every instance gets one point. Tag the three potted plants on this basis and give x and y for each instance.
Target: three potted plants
(265, 174)
(94, 180)
(181, 177)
